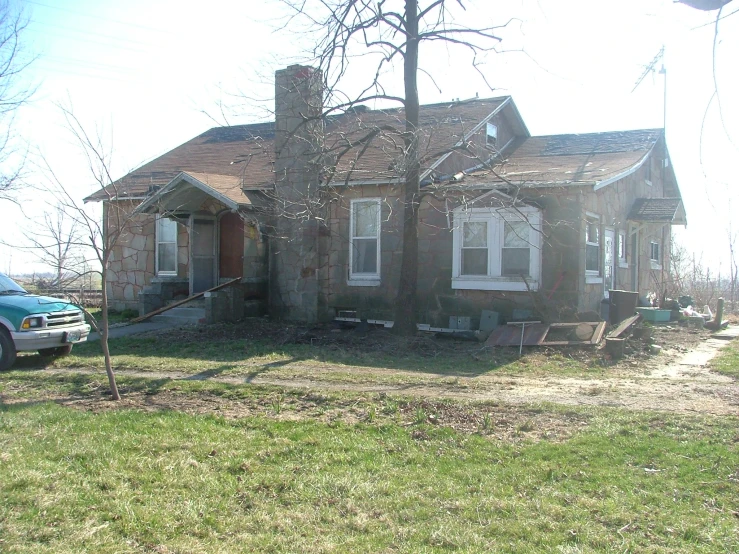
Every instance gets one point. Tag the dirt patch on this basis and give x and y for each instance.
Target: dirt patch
(641, 380)
(492, 420)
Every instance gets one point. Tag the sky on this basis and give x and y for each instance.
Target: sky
(147, 76)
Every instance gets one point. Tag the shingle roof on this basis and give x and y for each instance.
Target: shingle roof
(442, 126)
(242, 156)
(574, 159)
(246, 152)
(654, 209)
(226, 152)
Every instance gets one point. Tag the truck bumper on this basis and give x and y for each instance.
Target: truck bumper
(49, 338)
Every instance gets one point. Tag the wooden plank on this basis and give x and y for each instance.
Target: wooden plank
(598, 333)
(181, 302)
(623, 326)
(595, 339)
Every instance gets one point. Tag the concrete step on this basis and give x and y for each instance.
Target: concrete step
(194, 303)
(182, 316)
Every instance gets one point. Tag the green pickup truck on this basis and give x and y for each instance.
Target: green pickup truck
(32, 322)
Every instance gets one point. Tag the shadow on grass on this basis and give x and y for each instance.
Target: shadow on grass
(383, 350)
(208, 373)
(32, 362)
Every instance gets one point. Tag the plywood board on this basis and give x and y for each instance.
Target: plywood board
(510, 335)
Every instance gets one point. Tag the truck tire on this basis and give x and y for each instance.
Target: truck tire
(57, 351)
(7, 350)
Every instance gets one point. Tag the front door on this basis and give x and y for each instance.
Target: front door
(231, 246)
(609, 258)
(203, 255)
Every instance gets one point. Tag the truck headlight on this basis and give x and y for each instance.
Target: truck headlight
(32, 322)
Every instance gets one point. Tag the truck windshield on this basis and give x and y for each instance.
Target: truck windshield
(8, 286)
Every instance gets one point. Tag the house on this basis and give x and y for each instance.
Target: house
(307, 212)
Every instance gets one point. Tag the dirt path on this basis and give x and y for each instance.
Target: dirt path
(684, 384)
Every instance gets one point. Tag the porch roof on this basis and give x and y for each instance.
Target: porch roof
(187, 192)
(658, 210)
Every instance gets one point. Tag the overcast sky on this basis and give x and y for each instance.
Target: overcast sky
(150, 75)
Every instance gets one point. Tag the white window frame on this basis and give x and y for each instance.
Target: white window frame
(622, 249)
(656, 263)
(157, 242)
(364, 279)
(593, 276)
(496, 219)
(491, 134)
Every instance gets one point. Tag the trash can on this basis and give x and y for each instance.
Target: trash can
(622, 305)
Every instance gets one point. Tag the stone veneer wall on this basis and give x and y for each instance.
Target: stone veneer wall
(437, 299)
(132, 262)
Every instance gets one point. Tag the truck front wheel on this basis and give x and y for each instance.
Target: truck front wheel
(7, 350)
(57, 351)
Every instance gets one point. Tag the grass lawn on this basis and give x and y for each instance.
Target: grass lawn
(727, 362)
(277, 478)
(343, 357)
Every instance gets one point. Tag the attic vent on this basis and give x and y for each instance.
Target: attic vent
(491, 134)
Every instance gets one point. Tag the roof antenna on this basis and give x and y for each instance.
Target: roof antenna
(651, 68)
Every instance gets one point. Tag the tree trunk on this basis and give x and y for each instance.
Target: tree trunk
(104, 333)
(405, 305)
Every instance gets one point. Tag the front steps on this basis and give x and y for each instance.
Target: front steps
(183, 315)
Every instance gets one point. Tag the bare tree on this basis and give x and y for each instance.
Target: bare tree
(99, 238)
(14, 92)
(389, 31)
(55, 242)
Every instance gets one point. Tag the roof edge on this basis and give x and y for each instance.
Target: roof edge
(633, 169)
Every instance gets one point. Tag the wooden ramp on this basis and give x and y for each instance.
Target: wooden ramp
(181, 302)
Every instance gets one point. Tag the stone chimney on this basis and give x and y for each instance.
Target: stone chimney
(294, 249)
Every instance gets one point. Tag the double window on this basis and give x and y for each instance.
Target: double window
(166, 255)
(364, 250)
(496, 249)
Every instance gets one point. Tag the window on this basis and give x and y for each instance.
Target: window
(475, 248)
(654, 254)
(166, 256)
(364, 250)
(592, 245)
(493, 249)
(648, 171)
(622, 249)
(516, 255)
(491, 135)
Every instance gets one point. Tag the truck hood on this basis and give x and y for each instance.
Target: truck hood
(34, 304)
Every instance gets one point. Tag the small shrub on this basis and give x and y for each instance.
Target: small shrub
(487, 422)
(128, 313)
(277, 403)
